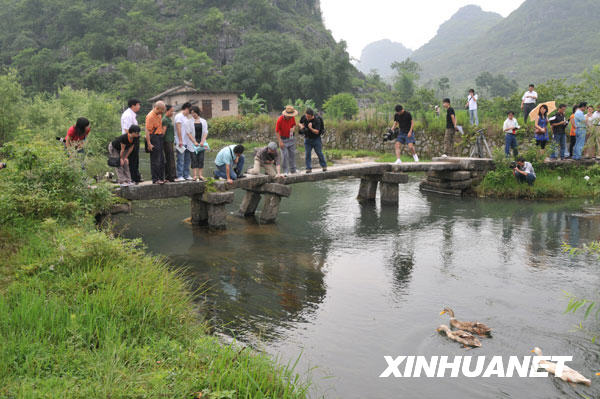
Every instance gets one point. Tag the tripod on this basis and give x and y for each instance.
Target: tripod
(480, 145)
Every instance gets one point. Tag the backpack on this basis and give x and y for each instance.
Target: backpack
(322, 130)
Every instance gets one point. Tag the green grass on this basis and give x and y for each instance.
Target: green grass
(85, 314)
(560, 183)
(89, 315)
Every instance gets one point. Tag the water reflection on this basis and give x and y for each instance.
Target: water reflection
(345, 283)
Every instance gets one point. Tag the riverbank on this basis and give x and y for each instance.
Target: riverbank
(552, 183)
(87, 314)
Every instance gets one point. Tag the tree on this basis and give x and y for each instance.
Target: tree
(251, 105)
(496, 86)
(444, 85)
(407, 75)
(342, 105)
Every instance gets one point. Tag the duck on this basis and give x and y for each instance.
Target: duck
(568, 374)
(474, 327)
(460, 336)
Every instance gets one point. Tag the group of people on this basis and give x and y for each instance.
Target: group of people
(177, 142)
(582, 120)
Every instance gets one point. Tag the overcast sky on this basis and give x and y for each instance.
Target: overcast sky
(410, 22)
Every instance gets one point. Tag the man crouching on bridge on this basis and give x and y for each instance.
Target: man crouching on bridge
(269, 158)
(403, 121)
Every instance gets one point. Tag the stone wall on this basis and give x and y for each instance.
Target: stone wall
(428, 144)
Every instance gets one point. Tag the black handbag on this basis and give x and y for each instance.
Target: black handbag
(114, 162)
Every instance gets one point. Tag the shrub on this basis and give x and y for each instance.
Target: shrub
(11, 95)
(41, 182)
(342, 105)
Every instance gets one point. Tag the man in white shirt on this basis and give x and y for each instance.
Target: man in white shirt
(472, 105)
(529, 101)
(184, 132)
(129, 118)
(524, 172)
(510, 129)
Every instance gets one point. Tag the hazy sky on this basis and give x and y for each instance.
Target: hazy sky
(410, 22)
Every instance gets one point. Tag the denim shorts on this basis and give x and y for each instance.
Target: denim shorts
(404, 139)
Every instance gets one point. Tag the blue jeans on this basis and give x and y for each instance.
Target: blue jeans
(561, 141)
(579, 144)
(473, 117)
(221, 170)
(511, 142)
(183, 164)
(529, 179)
(317, 145)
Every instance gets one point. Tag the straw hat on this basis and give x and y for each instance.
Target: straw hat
(289, 111)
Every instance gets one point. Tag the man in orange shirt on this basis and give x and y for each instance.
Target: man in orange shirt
(284, 129)
(155, 139)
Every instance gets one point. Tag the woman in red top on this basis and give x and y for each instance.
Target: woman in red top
(77, 134)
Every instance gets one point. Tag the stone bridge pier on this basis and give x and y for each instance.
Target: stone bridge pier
(272, 192)
(448, 176)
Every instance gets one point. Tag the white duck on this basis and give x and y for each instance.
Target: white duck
(568, 374)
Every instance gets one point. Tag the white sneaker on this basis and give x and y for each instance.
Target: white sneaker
(189, 178)
(398, 161)
(416, 157)
(180, 179)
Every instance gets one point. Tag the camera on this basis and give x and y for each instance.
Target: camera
(390, 135)
(2, 165)
(61, 139)
(303, 131)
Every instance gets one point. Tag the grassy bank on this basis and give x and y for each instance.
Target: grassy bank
(86, 314)
(563, 182)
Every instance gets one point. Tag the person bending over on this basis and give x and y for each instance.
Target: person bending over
(524, 172)
(267, 157)
(230, 163)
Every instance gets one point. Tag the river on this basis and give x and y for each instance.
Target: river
(341, 285)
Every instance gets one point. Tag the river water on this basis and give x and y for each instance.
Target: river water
(341, 285)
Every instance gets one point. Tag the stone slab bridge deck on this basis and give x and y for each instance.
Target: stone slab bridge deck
(450, 176)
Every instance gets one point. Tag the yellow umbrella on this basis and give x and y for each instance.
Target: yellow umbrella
(535, 113)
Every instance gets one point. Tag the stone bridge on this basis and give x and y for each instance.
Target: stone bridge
(449, 176)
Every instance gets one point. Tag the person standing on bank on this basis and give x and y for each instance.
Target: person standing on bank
(267, 157)
(167, 122)
(313, 128)
(286, 124)
(128, 119)
(528, 101)
(580, 130)
(472, 106)
(541, 127)
(183, 137)
(155, 138)
(200, 134)
(558, 123)
(403, 121)
(230, 163)
(451, 127)
(510, 129)
(121, 148)
(572, 132)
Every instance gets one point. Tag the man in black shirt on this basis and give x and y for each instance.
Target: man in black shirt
(403, 121)
(121, 148)
(313, 128)
(450, 128)
(558, 123)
